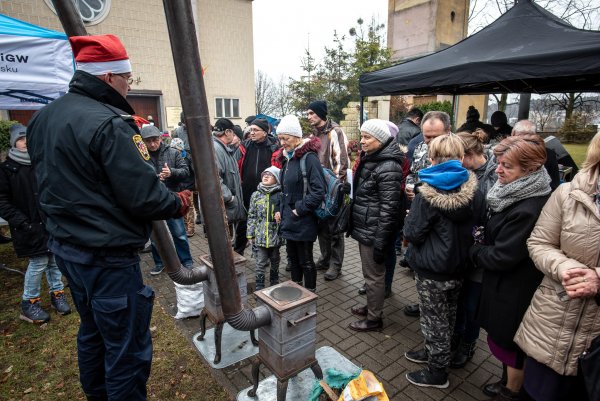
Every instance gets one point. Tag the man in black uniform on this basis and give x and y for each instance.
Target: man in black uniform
(99, 196)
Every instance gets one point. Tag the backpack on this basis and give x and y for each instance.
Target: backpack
(334, 197)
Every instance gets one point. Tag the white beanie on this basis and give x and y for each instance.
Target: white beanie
(289, 125)
(378, 129)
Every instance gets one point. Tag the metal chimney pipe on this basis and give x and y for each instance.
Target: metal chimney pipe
(69, 18)
(73, 26)
(188, 68)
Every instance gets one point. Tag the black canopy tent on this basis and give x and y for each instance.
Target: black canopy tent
(526, 50)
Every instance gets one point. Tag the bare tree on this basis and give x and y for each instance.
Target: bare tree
(265, 93)
(283, 100)
(584, 14)
(544, 112)
(571, 102)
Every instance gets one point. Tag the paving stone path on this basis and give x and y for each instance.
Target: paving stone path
(382, 353)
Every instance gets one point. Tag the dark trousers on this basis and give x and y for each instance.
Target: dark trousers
(544, 384)
(390, 264)
(331, 246)
(466, 314)
(300, 255)
(114, 346)
(267, 257)
(240, 241)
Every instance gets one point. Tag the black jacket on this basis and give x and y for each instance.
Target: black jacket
(407, 130)
(19, 207)
(303, 227)
(439, 230)
(378, 202)
(256, 157)
(95, 185)
(509, 277)
(179, 168)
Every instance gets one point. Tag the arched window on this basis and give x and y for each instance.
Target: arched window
(92, 12)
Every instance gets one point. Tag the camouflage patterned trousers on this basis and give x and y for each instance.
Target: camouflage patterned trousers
(438, 301)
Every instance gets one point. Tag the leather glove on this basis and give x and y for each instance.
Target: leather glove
(185, 197)
(378, 256)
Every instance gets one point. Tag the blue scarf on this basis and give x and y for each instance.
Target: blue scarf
(445, 176)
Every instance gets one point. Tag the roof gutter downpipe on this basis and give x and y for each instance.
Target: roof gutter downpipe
(188, 68)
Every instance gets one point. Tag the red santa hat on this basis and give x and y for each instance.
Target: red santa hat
(100, 54)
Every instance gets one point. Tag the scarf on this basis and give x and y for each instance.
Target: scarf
(501, 196)
(19, 156)
(445, 176)
(267, 189)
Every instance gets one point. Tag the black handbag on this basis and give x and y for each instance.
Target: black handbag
(589, 364)
(339, 223)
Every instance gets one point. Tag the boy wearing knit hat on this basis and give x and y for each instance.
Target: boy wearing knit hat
(263, 226)
(100, 196)
(334, 156)
(18, 206)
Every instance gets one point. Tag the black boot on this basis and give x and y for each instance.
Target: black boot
(492, 389)
(463, 354)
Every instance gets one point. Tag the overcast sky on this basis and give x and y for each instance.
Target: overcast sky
(283, 28)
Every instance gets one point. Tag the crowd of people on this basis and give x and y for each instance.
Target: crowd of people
(493, 241)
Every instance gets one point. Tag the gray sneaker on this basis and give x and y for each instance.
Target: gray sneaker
(32, 312)
(332, 273)
(157, 270)
(59, 302)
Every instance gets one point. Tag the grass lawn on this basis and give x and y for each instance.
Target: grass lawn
(40, 362)
(577, 151)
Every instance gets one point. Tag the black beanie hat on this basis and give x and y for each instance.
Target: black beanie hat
(262, 124)
(498, 119)
(249, 119)
(320, 108)
(223, 124)
(472, 114)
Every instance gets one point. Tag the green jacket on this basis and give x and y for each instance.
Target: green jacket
(261, 217)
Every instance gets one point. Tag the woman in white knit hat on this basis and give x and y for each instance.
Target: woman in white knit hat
(376, 215)
(298, 221)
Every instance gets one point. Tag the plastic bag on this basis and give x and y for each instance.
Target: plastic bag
(190, 300)
(365, 387)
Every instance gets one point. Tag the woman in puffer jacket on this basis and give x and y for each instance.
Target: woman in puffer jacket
(564, 317)
(376, 215)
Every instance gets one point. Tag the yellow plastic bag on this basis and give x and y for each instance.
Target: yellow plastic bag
(365, 387)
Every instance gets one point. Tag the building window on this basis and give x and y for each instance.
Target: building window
(228, 108)
(92, 12)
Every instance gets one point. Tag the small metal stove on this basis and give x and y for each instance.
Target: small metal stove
(212, 301)
(287, 345)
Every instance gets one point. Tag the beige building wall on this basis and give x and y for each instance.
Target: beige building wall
(421, 27)
(224, 28)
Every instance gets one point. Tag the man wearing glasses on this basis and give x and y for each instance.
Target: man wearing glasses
(256, 155)
(99, 196)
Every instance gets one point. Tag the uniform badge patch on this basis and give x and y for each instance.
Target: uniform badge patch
(141, 146)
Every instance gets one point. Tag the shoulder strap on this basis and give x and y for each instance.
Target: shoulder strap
(303, 170)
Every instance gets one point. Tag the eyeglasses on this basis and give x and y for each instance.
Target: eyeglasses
(256, 130)
(128, 78)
